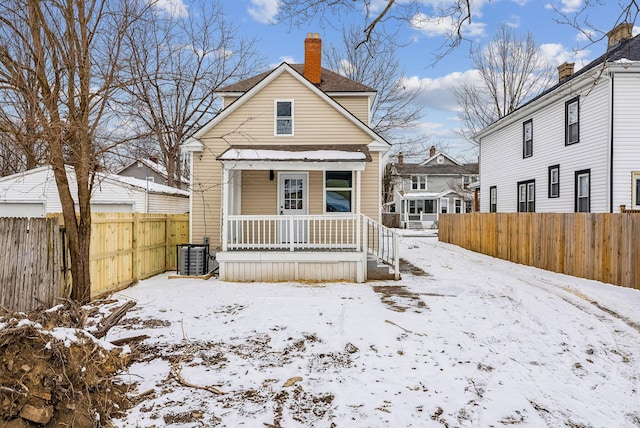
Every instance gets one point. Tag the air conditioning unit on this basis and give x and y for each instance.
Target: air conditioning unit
(193, 259)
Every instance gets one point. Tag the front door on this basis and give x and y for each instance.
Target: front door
(293, 201)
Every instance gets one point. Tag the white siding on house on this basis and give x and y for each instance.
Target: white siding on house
(626, 134)
(502, 164)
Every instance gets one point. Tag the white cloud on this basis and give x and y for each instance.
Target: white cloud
(438, 26)
(557, 54)
(172, 7)
(437, 94)
(263, 11)
(567, 6)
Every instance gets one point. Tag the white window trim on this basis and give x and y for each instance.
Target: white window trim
(421, 180)
(275, 118)
(456, 207)
(337, 189)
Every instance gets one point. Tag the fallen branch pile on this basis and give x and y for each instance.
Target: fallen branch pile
(55, 372)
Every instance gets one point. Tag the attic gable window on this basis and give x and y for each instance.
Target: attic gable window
(572, 121)
(283, 117)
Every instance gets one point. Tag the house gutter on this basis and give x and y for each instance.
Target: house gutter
(611, 120)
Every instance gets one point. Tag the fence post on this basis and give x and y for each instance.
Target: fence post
(135, 232)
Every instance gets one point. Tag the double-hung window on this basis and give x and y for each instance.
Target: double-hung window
(418, 182)
(493, 199)
(338, 188)
(572, 121)
(554, 181)
(457, 204)
(635, 186)
(283, 117)
(527, 196)
(527, 139)
(583, 191)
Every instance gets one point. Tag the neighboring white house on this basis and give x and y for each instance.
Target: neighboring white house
(34, 194)
(439, 184)
(573, 148)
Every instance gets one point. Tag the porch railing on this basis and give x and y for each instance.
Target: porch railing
(382, 242)
(292, 233)
(338, 232)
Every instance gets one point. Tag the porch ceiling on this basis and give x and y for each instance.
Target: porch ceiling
(352, 157)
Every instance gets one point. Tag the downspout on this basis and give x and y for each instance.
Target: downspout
(611, 120)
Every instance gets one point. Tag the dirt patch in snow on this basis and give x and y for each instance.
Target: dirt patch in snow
(399, 299)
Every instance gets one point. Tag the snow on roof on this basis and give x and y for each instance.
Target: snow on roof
(146, 185)
(329, 153)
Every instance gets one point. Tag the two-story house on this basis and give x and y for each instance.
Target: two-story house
(286, 181)
(439, 184)
(151, 170)
(574, 148)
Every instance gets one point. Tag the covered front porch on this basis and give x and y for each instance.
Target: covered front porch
(296, 215)
(420, 210)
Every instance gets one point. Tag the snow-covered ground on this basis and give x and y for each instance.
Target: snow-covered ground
(465, 340)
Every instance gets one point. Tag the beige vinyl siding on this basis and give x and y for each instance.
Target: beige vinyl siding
(206, 194)
(259, 194)
(226, 101)
(357, 105)
(315, 122)
(371, 188)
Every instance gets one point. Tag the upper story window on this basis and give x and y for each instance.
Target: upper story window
(418, 182)
(527, 196)
(572, 121)
(554, 181)
(527, 139)
(493, 199)
(284, 118)
(583, 191)
(338, 188)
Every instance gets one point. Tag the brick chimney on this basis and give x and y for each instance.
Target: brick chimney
(565, 70)
(400, 158)
(313, 58)
(619, 33)
(432, 151)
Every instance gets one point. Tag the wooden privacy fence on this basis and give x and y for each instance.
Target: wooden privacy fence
(31, 263)
(125, 248)
(598, 246)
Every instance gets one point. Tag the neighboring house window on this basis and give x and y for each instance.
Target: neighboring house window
(467, 206)
(338, 187)
(554, 181)
(444, 205)
(583, 191)
(572, 121)
(527, 139)
(418, 182)
(284, 118)
(458, 206)
(527, 196)
(635, 185)
(493, 199)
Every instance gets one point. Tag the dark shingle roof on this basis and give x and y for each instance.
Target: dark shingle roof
(331, 82)
(414, 168)
(627, 49)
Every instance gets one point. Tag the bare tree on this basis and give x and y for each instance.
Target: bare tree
(177, 64)
(376, 65)
(413, 12)
(59, 60)
(511, 69)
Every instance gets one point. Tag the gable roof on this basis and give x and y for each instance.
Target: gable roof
(129, 182)
(628, 49)
(331, 82)
(193, 143)
(432, 158)
(154, 166)
(415, 168)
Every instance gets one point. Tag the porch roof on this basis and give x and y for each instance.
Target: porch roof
(426, 195)
(299, 153)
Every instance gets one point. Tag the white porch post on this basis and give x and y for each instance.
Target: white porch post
(358, 206)
(226, 178)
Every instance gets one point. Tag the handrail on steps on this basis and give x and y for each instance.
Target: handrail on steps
(382, 242)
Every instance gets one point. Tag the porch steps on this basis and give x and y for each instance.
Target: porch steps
(414, 225)
(377, 270)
